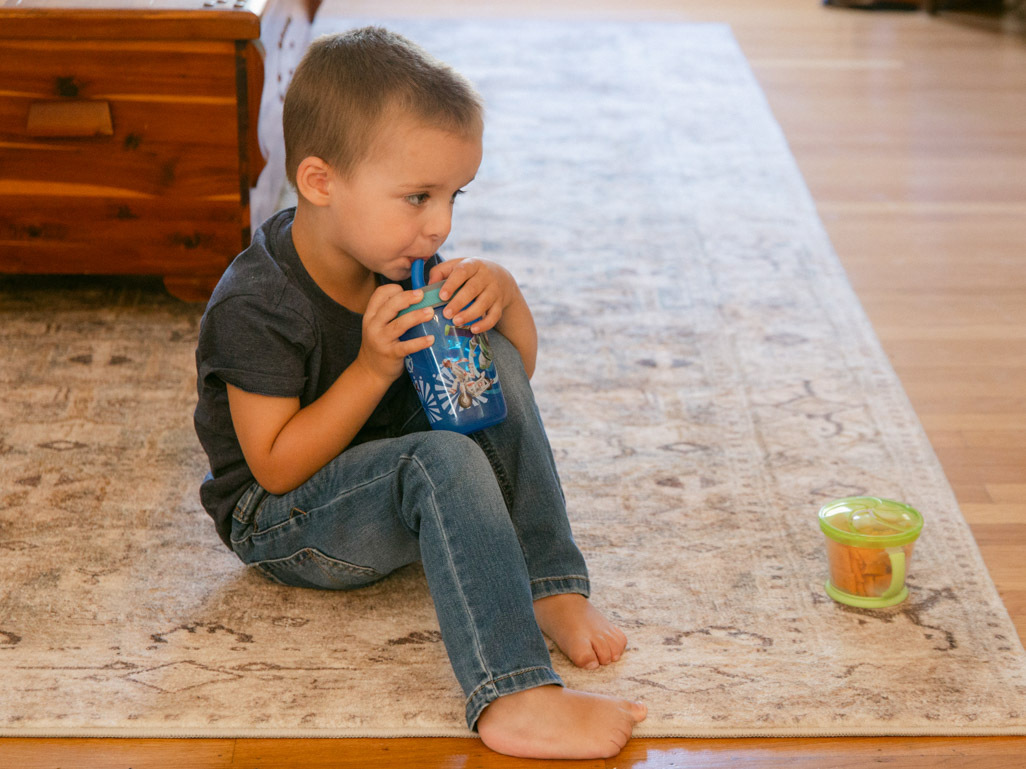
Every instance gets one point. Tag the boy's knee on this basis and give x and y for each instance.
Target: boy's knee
(446, 455)
(452, 470)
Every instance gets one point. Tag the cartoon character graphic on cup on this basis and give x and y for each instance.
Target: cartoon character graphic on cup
(470, 375)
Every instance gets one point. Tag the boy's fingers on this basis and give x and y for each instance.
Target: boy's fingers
(470, 303)
(405, 322)
(488, 320)
(381, 295)
(459, 276)
(470, 312)
(462, 298)
(441, 270)
(408, 298)
(396, 302)
(415, 345)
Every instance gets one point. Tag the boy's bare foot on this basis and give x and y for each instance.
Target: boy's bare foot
(553, 722)
(580, 630)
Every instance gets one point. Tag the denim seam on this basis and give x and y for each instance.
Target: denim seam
(549, 586)
(365, 570)
(351, 489)
(492, 681)
(499, 471)
(498, 468)
(292, 516)
(245, 501)
(452, 566)
(538, 581)
(489, 690)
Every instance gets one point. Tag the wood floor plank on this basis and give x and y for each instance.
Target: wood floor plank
(989, 465)
(425, 753)
(836, 753)
(980, 421)
(968, 493)
(19, 753)
(1001, 353)
(1005, 560)
(1014, 493)
(999, 513)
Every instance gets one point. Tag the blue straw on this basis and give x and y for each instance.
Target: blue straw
(417, 273)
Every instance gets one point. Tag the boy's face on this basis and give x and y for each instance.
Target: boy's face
(396, 207)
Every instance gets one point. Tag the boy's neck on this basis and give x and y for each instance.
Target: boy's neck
(338, 275)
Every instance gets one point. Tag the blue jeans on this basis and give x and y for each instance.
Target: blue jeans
(484, 513)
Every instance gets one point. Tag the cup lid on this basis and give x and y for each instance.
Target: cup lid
(870, 522)
(431, 298)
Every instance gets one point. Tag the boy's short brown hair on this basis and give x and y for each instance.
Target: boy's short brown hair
(345, 85)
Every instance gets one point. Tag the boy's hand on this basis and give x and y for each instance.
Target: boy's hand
(487, 287)
(381, 351)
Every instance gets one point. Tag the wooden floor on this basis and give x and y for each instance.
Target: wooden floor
(911, 133)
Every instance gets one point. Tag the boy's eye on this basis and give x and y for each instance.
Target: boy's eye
(421, 198)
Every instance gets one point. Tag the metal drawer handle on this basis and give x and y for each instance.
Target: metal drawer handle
(70, 118)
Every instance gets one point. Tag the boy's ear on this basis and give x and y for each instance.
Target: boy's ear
(313, 180)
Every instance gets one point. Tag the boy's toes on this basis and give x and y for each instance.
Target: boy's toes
(595, 652)
(609, 646)
(639, 711)
(618, 643)
(583, 655)
(603, 650)
(588, 662)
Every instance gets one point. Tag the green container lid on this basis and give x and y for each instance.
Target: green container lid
(870, 522)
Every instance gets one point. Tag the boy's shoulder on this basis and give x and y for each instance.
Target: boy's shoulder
(260, 275)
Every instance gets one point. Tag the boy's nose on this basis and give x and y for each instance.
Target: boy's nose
(438, 226)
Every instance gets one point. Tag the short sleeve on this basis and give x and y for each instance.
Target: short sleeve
(258, 347)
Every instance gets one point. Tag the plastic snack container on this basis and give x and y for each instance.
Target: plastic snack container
(869, 543)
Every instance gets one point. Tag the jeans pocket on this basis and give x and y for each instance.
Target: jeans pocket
(245, 511)
(311, 568)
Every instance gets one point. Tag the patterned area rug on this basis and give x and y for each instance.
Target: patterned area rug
(708, 380)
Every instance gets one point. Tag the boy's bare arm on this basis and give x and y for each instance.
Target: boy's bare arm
(517, 325)
(496, 299)
(284, 445)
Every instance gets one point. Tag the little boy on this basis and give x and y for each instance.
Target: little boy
(324, 470)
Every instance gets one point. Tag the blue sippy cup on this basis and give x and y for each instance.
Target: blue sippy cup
(455, 377)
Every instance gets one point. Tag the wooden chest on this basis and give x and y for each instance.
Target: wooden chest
(142, 137)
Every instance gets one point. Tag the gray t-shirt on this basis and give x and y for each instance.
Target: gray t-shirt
(270, 329)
